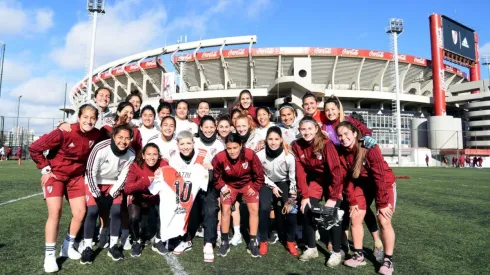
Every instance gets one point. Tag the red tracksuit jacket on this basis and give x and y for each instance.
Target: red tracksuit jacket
(68, 151)
(139, 179)
(136, 143)
(365, 131)
(247, 169)
(252, 111)
(375, 171)
(315, 172)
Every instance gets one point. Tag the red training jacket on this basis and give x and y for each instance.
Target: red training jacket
(252, 111)
(197, 120)
(374, 171)
(323, 170)
(247, 169)
(69, 151)
(136, 143)
(139, 179)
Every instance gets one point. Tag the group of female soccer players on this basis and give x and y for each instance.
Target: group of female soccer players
(105, 164)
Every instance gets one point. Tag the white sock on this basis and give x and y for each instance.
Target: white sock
(70, 239)
(87, 243)
(50, 249)
(236, 229)
(113, 241)
(219, 234)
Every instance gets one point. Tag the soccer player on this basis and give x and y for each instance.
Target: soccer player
(264, 119)
(202, 110)
(244, 102)
(140, 200)
(164, 109)
(208, 137)
(19, 155)
(280, 188)
(148, 129)
(107, 169)
(289, 121)
(166, 139)
(135, 99)
(224, 128)
(124, 115)
(183, 124)
(238, 170)
(318, 174)
(310, 106)
(250, 138)
(62, 175)
(369, 177)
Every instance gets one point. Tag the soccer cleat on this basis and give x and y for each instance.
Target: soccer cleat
(160, 248)
(293, 250)
(224, 249)
(273, 237)
(379, 253)
(208, 253)
(68, 251)
(309, 254)
(386, 268)
(263, 246)
(115, 253)
(87, 256)
(183, 247)
(136, 249)
(50, 265)
(335, 259)
(356, 261)
(253, 249)
(237, 239)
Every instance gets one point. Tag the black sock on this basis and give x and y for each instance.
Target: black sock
(224, 237)
(358, 251)
(253, 238)
(389, 257)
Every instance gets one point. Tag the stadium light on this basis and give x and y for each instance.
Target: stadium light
(395, 28)
(95, 7)
(2, 59)
(486, 62)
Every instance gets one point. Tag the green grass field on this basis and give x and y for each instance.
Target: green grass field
(442, 225)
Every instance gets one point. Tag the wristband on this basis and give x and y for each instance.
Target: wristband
(46, 170)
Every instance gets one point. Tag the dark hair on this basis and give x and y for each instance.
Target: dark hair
(122, 127)
(186, 103)
(207, 118)
(234, 138)
(358, 117)
(102, 88)
(168, 117)
(360, 152)
(309, 94)
(88, 107)
(150, 108)
(237, 100)
(335, 100)
(318, 144)
(203, 101)
(223, 117)
(287, 105)
(164, 105)
(262, 108)
(235, 111)
(139, 158)
(120, 107)
(132, 94)
(274, 129)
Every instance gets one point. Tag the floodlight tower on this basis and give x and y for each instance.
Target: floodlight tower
(395, 28)
(486, 62)
(2, 58)
(94, 7)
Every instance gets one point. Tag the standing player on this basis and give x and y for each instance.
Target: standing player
(244, 102)
(250, 138)
(164, 109)
(280, 181)
(183, 124)
(19, 155)
(264, 119)
(224, 128)
(318, 174)
(124, 115)
(135, 99)
(238, 170)
(289, 121)
(202, 110)
(208, 137)
(369, 177)
(166, 139)
(310, 106)
(148, 128)
(107, 169)
(62, 175)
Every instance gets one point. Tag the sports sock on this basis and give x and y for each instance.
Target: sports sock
(50, 249)
(253, 238)
(236, 229)
(70, 239)
(224, 237)
(358, 251)
(113, 241)
(389, 257)
(87, 243)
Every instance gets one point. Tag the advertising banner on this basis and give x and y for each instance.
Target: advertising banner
(458, 38)
(168, 86)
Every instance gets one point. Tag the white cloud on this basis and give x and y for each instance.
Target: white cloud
(15, 71)
(42, 90)
(256, 7)
(15, 20)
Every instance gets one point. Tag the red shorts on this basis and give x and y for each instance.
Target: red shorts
(145, 202)
(364, 194)
(104, 191)
(243, 191)
(71, 188)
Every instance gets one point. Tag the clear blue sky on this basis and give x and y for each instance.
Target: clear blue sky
(47, 39)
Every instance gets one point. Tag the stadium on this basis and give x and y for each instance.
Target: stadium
(216, 70)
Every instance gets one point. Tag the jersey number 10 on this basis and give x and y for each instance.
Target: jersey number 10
(183, 195)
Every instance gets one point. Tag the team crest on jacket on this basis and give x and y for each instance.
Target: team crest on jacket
(318, 156)
(121, 164)
(50, 189)
(283, 165)
(213, 151)
(90, 143)
(245, 165)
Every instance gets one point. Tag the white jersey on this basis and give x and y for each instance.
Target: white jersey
(147, 134)
(280, 169)
(185, 125)
(212, 148)
(177, 189)
(289, 133)
(104, 167)
(167, 148)
(253, 140)
(200, 157)
(263, 131)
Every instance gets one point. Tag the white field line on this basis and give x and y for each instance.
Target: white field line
(174, 264)
(23, 198)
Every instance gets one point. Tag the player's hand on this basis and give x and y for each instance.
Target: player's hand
(208, 166)
(260, 146)
(293, 195)
(225, 192)
(304, 203)
(353, 209)
(277, 192)
(386, 212)
(287, 148)
(369, 142)
(330, 203)
(45, 178)
(65, 127)
(158, 172)
(251, 191)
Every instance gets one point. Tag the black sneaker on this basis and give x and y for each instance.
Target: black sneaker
(87, 256)
(273, 237)
(136, 249)
(160, 248)
(115, 253)
(224, 248)
(253, 249)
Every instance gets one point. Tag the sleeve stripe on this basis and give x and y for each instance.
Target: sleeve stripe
(93, 155)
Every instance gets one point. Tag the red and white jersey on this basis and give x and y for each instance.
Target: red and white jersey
(212, 148)
(177, 189)
(200, 157)
(167, 148)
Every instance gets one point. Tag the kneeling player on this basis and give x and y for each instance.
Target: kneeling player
(107, 169)
(369, 177)
(63, 176)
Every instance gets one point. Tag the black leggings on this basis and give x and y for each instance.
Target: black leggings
(136, 211)
(369, 218)
(91, 218)
(204, 210)
(286, 224)
(309, 228)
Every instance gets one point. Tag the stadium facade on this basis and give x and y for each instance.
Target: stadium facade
(362, 79)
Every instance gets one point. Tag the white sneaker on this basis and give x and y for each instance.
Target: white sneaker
(335, 259)
(50, 265)
(127, 244)
(68, 251)
(208, 253)
(309, 254)
(236, 240)
(182, 247)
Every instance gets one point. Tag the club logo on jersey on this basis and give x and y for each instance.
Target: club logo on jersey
(90, 144)
(318, 156)
(122, 162)
(283, 165)
(227, 168)
(213, 151)
(172, 152)
(245, 165)
(71, 145)
(50, 189)
(302, 156)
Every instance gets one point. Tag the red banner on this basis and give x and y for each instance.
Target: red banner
(235, 53)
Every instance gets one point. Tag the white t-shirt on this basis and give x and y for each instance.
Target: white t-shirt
(177, 189)
(185, 125)
(167, 148)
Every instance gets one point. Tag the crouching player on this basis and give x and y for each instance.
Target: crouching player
(369, 178)
(107, 169)
(62, 175)
(140, 200)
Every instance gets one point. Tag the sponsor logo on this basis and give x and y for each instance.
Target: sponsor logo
(402, 57)
(376, 54)
(50, 189)
(227, 168)
(150, 63)
(263, 51)
(322, 51)
(210, 54)
(440, 38)
(119, 70)
(419, 60)
(245, 165)
(134, 67)
(90, 143)
(350, 52)
(442, 84)
(455, 36)
(465, 43)
(449, 68)
(185, 57)
(238, 52)
(71, 145)
(180, 209)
